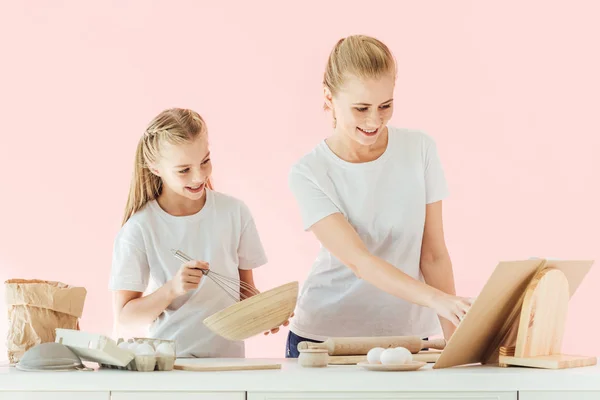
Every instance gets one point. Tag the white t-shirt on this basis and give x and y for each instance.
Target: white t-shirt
(384, 200)
(223, 234)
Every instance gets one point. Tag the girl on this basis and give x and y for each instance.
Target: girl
(371, 194)
(172, 205)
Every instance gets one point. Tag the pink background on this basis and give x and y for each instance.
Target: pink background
(509, 90)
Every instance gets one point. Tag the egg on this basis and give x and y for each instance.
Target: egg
(374, 355)
(165, 349)
(144, 349)
(124, 345)
(132, 346)
(394, 356)
(407, 354)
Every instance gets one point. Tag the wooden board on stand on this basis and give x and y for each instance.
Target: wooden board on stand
(541, 326)
(500, 328)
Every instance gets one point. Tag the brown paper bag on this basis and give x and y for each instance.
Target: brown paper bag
(36, 308)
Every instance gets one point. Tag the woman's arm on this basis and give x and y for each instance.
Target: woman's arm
(436, 265)
(340, 238)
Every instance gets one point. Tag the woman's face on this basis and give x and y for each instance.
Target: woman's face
(363, 107)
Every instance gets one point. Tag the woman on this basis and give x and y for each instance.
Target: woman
(372, 195)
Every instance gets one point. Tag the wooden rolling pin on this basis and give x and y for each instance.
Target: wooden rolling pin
(350, 346)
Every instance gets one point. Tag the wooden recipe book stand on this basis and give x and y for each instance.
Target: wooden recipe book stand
(519, 317)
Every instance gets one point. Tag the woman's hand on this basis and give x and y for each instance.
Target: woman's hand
(275, 330)
(453, 308)
(187, 278)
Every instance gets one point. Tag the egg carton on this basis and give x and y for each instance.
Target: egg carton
(93, 347)
(145, 363)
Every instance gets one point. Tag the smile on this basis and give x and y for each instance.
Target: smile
(369, 132)
(195, 189)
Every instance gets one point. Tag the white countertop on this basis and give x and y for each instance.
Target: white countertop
(292, 377)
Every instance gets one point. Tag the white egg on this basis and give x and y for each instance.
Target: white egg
(393, 356)
(374, 355)
(407, 354)
(124, 345)
(165, 349)
(132, 346)
(144, 349)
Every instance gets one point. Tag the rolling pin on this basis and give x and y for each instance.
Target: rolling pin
(350, 346)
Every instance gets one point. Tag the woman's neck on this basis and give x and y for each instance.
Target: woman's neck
(180, 206)
(352, 151)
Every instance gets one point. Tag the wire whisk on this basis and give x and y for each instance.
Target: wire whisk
(235, 288)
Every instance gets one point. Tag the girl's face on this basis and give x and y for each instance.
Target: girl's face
(362, 107)
(185, 168)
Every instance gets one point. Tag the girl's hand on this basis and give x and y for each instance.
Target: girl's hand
(275, 330)
(453, 308)
(187, 278)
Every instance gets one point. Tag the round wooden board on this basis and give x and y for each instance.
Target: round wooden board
(412, 366)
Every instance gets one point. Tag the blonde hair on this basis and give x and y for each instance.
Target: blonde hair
(359, 55)
(174, 126)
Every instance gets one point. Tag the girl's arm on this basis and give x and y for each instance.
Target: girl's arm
(436, 265)
(247, 277)
(340, 238)
(132, 309)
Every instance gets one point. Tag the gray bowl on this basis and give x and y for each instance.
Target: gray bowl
(50, 356)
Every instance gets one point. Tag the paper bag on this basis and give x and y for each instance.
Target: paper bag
(36, 308)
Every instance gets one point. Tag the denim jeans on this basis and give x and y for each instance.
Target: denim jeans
(291, 350)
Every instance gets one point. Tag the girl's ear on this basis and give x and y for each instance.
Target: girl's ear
(328, 97)
(154, 170)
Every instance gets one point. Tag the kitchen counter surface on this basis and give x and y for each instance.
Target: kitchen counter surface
(294, 378)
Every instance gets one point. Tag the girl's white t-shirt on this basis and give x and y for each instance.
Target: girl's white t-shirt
(384, 200)
(223, 234)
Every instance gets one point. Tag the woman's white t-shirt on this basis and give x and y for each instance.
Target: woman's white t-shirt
(384, 200)
(223, 234)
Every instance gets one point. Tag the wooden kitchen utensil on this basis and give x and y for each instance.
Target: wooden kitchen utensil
(253, 312)
(542, 323)
(256, 314)
(345, 360)
(351, 346)
(313, 358)
(502, 315)
(425, 356)
(225, 367)
(411, 366)
(543, 314)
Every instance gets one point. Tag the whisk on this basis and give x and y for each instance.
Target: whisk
(231, 286)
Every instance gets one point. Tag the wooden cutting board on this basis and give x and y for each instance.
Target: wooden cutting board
(425, 356)
(225, 367)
